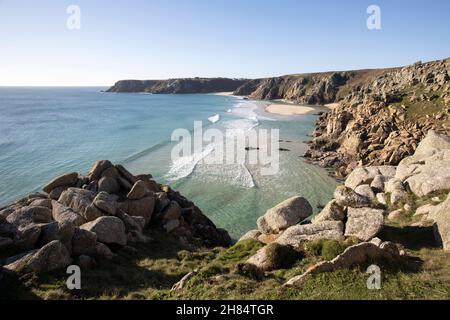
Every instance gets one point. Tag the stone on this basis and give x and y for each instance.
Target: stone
(98, 168)
(138, 191)
(346, 197)
(56, 193)
(57, 231)
(162, 201)
(109, 230)
(274, 256)
(108, 185)
(131, 179)
(398, 196)
(47, 203)
(395, 215)
(378, 183)
(357, 255)
(5, 243)
(364, 223)
(51, 257)
(331, 212)
(86, 262)
(366, 191)
(106, 203)
(81, 201)
(442, 226)
(296, 235)
(62, 213)
(142, 208)
(27, 237)
(102, 251)
(366, 175)
(30, 215)
(172, 212)
(287, 214)
(382, 199)
(67, 180)
(251, 235)
(171, 225)
(84, 242)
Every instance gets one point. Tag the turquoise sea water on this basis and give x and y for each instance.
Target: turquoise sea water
(45, 132)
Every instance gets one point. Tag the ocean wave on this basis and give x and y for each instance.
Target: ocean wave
(214, 118)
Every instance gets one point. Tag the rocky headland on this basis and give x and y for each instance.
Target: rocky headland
(186, 85)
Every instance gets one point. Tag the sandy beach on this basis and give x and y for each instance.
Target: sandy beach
(289, 109)
(223, 93)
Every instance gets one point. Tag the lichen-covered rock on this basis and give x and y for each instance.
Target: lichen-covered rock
(366, 175)
(62, 213)
(80, 201)
(441, 215)
(67, 180)
(285, 215)
(274, 256)
(251, 235)
(84, 242)
(364, 223)
(51, 257)
(331, 212)
(346, 197)
(30, 215)
(295, 236)
(109, 230)
(366, 191)
(360, 254)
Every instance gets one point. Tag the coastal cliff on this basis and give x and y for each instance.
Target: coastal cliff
(187, 85)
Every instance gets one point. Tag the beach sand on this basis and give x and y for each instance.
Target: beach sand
(289, 109)
(223, 93)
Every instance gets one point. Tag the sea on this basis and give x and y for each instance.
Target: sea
(49, 131)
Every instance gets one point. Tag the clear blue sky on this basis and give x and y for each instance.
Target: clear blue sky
(137, 39)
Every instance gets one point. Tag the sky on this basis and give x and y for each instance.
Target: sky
(159, 39)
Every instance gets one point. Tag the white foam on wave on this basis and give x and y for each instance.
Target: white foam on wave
(185, 166)
(214, 118)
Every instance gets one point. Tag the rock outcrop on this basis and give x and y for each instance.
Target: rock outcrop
(187, 85)
(87, 223)
(382, 119)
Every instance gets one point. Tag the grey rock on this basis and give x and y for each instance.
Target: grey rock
(30, 215)
(296, 235)
(364, 223)
(287, 214)
(331, 212)
(62, 213)
(108, 185)
(106, 203)
(84, 242)
(98, 168)
(366, 191)
(109, 230)
(346, 197)
(442, 225)
(67, 180)
(138, 191)
(251, 235)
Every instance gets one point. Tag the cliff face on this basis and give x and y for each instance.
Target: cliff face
(190, 85)
(314, 88)
(381, 120)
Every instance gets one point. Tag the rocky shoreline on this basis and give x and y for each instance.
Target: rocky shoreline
(83, 219)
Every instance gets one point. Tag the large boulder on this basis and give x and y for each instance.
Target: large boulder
(347, 197)
(331, 212)
(428, 170)
(138, 191)
(51, 257)
(441, 215)
(84, 242)
(81, 201)
(67, 180)
(364, 223)
(30, 215)
(366, 175)
(62, 213)
(295, 236)
(98, 168)
(251, 235)
(109, 230)
(142, 208)
(57, 231)
(285, 215)
(108, 184)
(274, 256)
(357, 255)
(106, 203)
